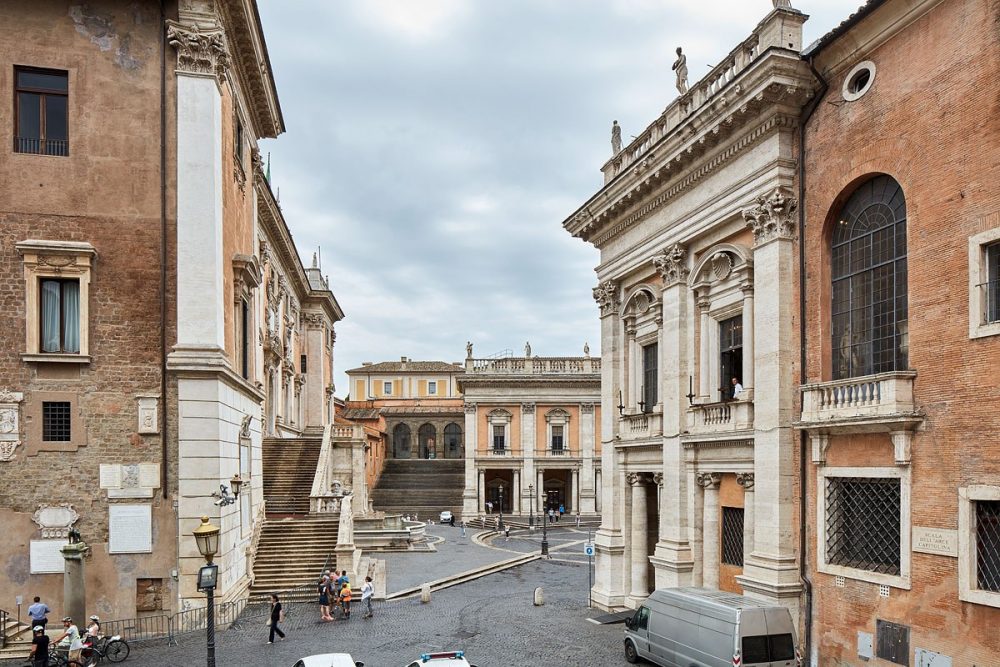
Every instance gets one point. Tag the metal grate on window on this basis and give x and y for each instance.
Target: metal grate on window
(732, 536)
(56, 421)
(893, 642)
(988, 545)
(863, 523)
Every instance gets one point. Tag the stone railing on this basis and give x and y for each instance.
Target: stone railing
(640, 425)
(258, 528)
(873, 397)
(496, 452)
(533, 366)
(699, 93)
(720, 417)
(558, 452)
(324, 498)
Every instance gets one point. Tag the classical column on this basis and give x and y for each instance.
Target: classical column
(745, 479)
(672, 560)
(515, 493)
(471, 503)
(638, 538)
(748, 356)
(528, 446)
(704, 363)
(710, 540)
(632, 365)
(481, 493)
(588, 446)
(574, 499)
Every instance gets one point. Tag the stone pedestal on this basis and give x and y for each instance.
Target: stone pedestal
(74, 583)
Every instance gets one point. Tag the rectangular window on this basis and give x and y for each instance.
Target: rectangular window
(730, 356)
(732, 536)
(863, 523)
(244, 338)
(387, 388)
(41, 111)
(650, 360)
(992, 285)
(499, 439)
(557, 438)
(238, 142)
(432, 388)
(56, 419)
(302, 363)
(59, 329)
(988, 545)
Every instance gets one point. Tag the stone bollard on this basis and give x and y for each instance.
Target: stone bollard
(539, 597)
(425, 593)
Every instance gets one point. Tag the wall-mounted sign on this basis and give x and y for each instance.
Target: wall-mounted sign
(937, 541)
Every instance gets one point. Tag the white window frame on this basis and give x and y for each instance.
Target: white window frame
(432, 387)
(967, 552)
(387, 387)
(66, 260)
(557, 417)
(978, 328)
(902, 580)
(500, 417)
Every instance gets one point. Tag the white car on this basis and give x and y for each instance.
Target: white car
(447, 659)
(329, 660)
(446, 517)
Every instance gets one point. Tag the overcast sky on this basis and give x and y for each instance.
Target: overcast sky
(434, 147)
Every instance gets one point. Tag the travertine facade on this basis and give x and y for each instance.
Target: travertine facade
(158, 319)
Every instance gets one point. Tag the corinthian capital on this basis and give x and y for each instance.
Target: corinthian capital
(709, 480)
(606, 295)
(773, 217)
(671, 264)
(199, 51)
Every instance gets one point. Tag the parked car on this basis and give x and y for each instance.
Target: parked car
(676, 627)
(446, 517)
(445, 659)
(329, 660)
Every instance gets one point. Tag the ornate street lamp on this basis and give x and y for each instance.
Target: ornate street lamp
(531, 506)
(500, 524)
(206, 536)
(222, 495)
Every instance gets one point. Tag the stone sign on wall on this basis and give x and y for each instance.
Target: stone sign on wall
(937, 541)
(130, 529)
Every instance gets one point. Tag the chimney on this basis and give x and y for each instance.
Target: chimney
(366, 363)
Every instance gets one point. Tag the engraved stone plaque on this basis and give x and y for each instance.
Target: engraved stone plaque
(46, 557)
(130, 529)
(937, 541)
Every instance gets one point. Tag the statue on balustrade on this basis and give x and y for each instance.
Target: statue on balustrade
(681, 69)
(616, 138)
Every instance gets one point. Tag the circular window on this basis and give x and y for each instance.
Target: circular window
(859, 80)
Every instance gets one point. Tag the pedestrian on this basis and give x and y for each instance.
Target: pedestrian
(367, 591)
(94, 629)
(737, 389)
(463, 529)
(562, 510)
(345, 598)
(489, 507)
(324, 599)
(277, 616)
(506, 533)
(39, 612)
(39, 646)
(451, 520)
(552, 515)
(70, 639)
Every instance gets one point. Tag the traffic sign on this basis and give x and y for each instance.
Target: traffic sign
(588, 549)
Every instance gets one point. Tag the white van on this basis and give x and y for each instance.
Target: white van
(679, 627)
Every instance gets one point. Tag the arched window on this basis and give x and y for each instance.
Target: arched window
(453, 441)
(869, 281)
(401, 441)
(427, 435)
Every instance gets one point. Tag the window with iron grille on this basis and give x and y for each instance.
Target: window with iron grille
(868, 258)
(41, 111)
(56, 418)
(863, 523)
(732, 536)
(988, 545)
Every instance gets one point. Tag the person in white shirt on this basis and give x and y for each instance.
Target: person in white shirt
(94, 629)
(70, 639)
(737, 388)
(367, 591)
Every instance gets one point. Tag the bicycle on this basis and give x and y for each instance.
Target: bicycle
(114, 648)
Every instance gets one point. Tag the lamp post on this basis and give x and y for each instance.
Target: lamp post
(500, 524)
(531, 506)
(545, 529)
(206, 536)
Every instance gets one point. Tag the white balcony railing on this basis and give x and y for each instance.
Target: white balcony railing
(872, 397)
(723, 417)
(640, 425)
(534, 366)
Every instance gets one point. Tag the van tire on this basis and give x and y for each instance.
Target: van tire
(630, 653)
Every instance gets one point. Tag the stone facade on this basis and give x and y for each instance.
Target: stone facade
(924, 425)
(696, 289)
(157, 215)
(533, 429)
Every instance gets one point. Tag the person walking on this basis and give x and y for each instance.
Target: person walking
(277, 616)
(345, 598)
(39, 612)
(506, 533)
(562, 510)
(324, 599)
(552, 515)
(367, 591)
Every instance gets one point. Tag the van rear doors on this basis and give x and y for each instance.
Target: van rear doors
(767, 638)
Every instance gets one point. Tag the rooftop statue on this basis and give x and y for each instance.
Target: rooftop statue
(681, 68)
(616, 138)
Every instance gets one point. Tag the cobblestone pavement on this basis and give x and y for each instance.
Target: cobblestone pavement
(491, 618)
(565, 542)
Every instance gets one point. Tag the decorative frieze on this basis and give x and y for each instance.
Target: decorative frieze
(671, 264)
(772, 218)
(606, 295)
(10, 423)
(199, 51)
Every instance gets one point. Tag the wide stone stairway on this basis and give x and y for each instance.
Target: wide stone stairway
(294, 546)
(424, 487)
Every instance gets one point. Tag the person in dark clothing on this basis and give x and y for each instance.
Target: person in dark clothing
(39, 647)
(277, 615)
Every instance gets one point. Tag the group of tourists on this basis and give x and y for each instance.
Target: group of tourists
(70, 641)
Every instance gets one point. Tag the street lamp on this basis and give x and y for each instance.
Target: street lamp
(545, 529)
(500, 524)
(531, 506)
(222, 497)
(206, 536)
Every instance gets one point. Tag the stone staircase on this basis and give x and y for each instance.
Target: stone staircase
(292, 553)
(18, 635)
(289, 467)
(424, 487)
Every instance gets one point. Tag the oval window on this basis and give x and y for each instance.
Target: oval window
(859, 80)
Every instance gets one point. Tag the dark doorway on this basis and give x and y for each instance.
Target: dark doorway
(401, 441)
(731, 355)
(453, 448)
(427, 437)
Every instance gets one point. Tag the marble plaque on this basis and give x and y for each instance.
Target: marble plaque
(149, 475)
(111, 476)
(130, 529)
(46, 557)
(937, 541)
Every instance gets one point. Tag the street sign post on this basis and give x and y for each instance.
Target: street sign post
(588, 549)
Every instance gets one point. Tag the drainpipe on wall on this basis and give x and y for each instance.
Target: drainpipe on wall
(163, 255)
(803, 437)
